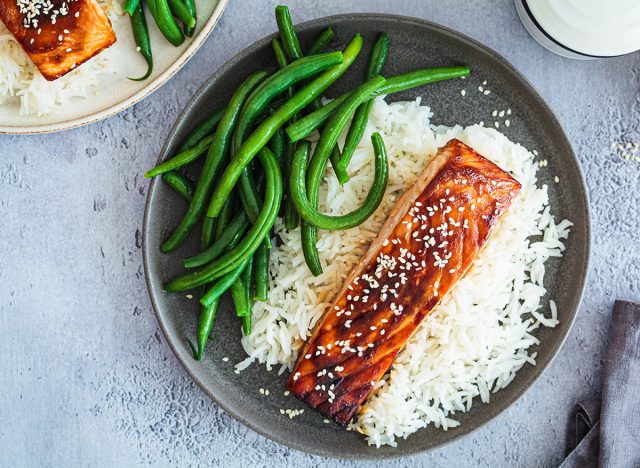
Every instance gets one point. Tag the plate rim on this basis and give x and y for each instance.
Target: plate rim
(584, 251)
(138, 96)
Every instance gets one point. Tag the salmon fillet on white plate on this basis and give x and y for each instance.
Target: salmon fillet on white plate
(58, 35)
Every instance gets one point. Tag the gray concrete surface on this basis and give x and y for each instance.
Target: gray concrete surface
(86, 378)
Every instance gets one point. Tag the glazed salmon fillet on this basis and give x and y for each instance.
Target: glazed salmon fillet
(428, 242)
(58, 35)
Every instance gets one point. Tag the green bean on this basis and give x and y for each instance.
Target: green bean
(222, 285)
(321, 156)
(395, 84)
(247, 277)
(257, 103)
(179, 9)
(208, 228)
(361, 117)
(293, 52)
(319, 220)
(291, 217)
(378, 57)
(314, 120)
(261, 272)
(338, 121)
(248, 286)
(151, 4)
(181, 159)
(410, 80)
(207, 313)
(277, 145)
(309, 239)
(321, 41)
(246, 323)
(240, 291)
(279, 53)
(225, 217)
(277, 84)
(259, 138)
(215, 157)
(141, 36)
(236, 228)
(249, 244)
(179, 183)
(205, 324)
(239, 297)
(161, 13)
(203, 129)
(191, 6)
(130, 6)
(288, 33)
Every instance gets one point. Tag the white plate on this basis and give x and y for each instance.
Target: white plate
(115, 92)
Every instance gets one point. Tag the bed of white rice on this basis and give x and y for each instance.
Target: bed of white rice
(22, 84)
(474, 342)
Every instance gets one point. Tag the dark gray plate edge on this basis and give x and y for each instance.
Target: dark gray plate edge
(538, 371)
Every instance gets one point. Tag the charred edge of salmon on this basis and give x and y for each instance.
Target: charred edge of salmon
(336, 382)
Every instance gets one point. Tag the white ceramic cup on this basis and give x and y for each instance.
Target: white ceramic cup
(583, 29)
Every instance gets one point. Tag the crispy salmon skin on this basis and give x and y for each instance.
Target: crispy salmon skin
(58, 35)
(429, 240)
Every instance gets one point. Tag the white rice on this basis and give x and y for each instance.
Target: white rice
(21, 83)
(474, 342)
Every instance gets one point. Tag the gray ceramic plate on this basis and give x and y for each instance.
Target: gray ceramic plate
(414, 43)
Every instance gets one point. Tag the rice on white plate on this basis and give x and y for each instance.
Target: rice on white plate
(20, 80)
(476, 339)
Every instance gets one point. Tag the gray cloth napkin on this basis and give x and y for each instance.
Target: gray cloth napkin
(607, 433)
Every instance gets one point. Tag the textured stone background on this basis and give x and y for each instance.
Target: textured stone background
(85, 375)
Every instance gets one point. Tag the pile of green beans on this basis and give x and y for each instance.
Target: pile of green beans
(258, 164)
(166, 15)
